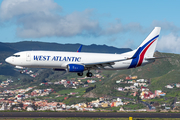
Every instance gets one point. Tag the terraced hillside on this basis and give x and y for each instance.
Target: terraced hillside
(160, 73)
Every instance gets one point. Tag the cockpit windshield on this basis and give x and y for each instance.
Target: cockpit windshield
(16, 55)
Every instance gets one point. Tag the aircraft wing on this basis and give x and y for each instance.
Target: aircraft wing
(79, 49)
(101, 65)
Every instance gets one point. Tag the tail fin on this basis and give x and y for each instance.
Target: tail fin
(149, 44)
(146, 49)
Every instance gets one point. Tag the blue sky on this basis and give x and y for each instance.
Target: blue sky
(117, 23)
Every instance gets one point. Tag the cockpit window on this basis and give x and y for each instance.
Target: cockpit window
(16, 55)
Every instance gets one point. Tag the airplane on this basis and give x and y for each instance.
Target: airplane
(79, 62)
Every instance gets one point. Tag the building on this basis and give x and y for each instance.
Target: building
(169, 86)
(178, 85)
(30, 108)
(4, 106)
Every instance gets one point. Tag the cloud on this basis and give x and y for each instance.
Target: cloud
(118, 27)
(129, 44)
(169, 43)
(166, 26)
(18, 8)
(41, 18)
(40, 25)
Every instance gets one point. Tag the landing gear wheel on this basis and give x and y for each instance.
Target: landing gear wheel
(89, 74)
(80, 74)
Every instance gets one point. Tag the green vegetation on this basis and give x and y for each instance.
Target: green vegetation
(75, 100)
(80, 91)
(134, 106)
(160, 73)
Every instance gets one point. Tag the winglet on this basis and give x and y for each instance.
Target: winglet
(79, 49)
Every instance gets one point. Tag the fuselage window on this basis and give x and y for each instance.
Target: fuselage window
(16, 55)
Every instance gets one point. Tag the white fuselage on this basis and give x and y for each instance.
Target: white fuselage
(79, 61)
(60, 60)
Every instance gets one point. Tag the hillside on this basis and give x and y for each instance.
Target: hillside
(5, 51)
(160, 73)
(31, 45)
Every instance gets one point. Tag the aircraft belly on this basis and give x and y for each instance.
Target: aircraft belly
(120, 66)
(44, 64)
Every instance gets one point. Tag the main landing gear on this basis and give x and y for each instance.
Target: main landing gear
(89, 74)
(80, 74)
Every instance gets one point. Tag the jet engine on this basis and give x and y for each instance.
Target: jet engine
(75, 68)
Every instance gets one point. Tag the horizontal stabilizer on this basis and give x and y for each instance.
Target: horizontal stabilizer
(155, 58)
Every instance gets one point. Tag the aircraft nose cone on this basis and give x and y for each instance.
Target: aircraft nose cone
(7, 60)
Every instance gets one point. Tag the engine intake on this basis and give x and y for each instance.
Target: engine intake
(75, 68)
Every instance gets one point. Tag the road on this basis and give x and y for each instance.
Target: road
(88, 114)
(147, 104)
(174, 102)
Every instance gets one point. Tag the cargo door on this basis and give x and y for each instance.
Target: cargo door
(28, 57)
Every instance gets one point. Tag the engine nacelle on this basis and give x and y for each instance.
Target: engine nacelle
(75, 68)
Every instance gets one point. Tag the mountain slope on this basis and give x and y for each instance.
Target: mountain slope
(31, 45)
(161, 72)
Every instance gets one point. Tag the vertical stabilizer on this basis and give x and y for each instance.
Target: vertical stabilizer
(149, 44)
(146, 49)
